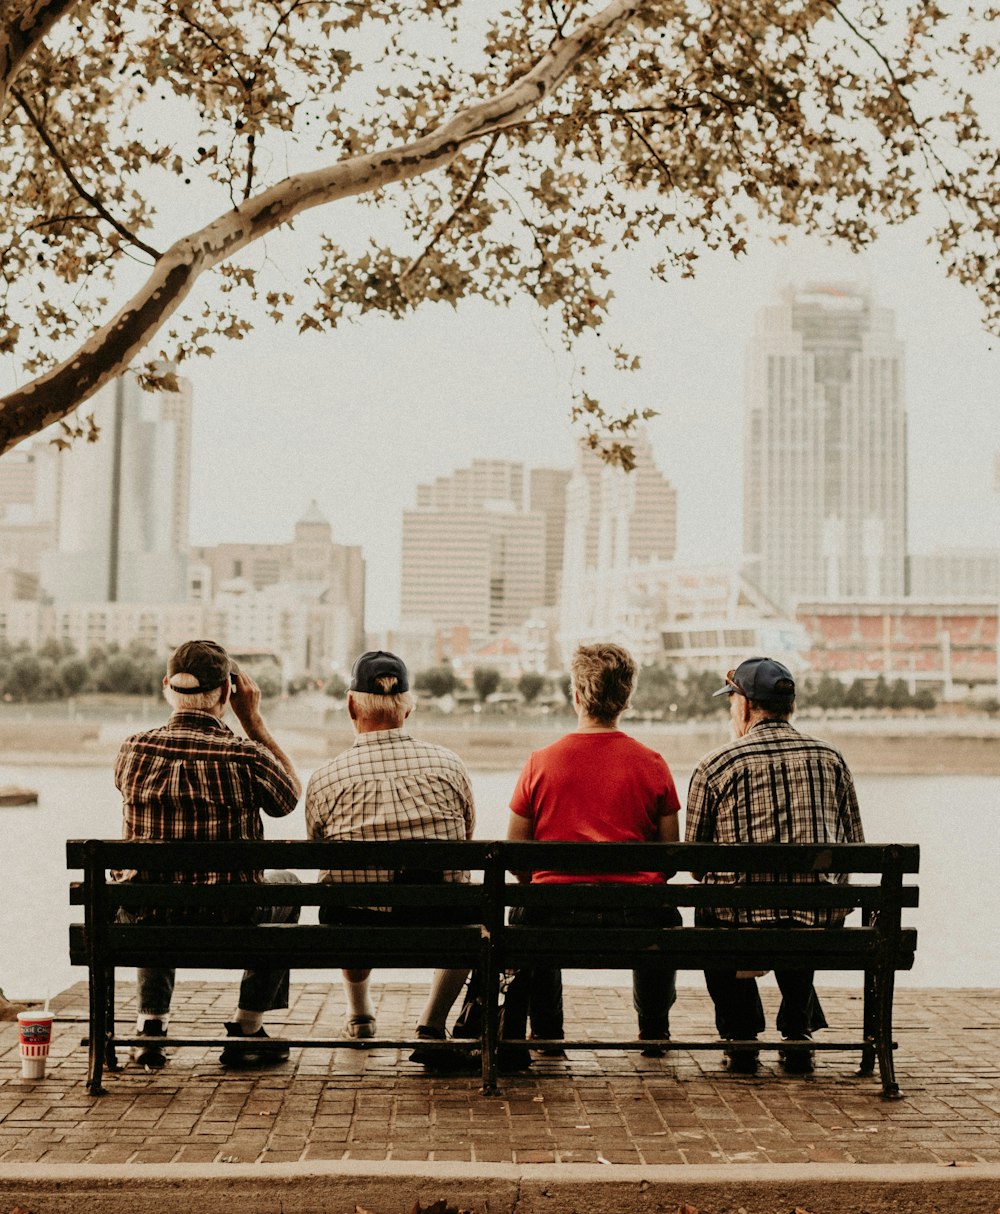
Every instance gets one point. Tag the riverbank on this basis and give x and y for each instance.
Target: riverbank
(871, 747)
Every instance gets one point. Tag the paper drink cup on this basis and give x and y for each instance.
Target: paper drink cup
(35, 1035)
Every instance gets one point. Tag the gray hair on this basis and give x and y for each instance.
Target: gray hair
(389, 711)
(204, 701)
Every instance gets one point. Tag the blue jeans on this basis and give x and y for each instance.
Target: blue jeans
(261, 990)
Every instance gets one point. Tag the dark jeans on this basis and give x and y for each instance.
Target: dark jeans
(261, 990)
(739, 1013)
(538, 991)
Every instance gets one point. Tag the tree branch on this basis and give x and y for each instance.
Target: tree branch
(76, 183)
(21, 34)
(459, 207)
(109, 351)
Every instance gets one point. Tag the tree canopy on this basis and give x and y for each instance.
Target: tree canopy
(152, 152)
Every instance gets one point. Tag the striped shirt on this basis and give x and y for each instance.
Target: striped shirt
(773, 785)
(389, 786)
(193, 778)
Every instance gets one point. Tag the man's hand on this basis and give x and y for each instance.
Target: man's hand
(245, 701)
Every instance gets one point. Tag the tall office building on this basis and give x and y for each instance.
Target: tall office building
(825, 449)
(615, 522)
(122, 528)
(547, 496)
(473, 558)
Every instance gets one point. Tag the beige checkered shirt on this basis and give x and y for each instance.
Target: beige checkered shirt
(389, 786)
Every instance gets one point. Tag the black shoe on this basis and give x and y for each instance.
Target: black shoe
(548, 1051)
(150, 1055)
(741, 1061)
(246, 1056)
(449, 1061)
(654, 1051)
(513, 1058)
(797, 1062)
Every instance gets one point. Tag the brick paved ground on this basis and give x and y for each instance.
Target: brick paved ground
(598, 1107)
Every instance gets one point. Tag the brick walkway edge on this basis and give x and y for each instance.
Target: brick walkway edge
(601, 1130)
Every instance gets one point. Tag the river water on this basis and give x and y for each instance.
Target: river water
(952, 817)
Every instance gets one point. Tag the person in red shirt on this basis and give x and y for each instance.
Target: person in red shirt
(596, 784)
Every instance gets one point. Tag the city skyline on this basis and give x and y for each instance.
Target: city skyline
(414, 400)
(365, 456)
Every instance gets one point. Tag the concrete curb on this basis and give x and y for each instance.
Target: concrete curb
(393, 1188)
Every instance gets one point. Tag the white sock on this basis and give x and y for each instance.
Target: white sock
(249, 1022)
(144, 1018)
(358, 1002)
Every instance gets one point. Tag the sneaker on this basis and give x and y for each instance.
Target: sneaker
(246, 1056)
(360, 1026)
(797, 1062)
(741, 1061)
(150, 1054)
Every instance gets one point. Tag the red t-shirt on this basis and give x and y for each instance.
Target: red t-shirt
(595, 788)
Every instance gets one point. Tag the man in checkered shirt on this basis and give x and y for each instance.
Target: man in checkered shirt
(195, 779)
(772, 785)
(389, 786)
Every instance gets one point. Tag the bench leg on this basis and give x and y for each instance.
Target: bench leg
(110, 1057)
(885, 985)
(491, 1028)
(870, 1027)
(97, 1046)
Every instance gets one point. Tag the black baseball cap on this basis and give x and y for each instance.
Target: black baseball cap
(207, 661)
(377, 664)
(759, 679)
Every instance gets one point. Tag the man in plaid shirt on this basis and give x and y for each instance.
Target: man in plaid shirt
(772, 785)
(390, 786)
(193, 778)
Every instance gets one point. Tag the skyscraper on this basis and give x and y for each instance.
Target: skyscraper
(615, 521)
(122, 530)
(472, 556)
(825, 448)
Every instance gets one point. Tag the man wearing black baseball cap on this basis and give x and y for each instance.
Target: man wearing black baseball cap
(771, 785)
(194, 778)
(390, 786)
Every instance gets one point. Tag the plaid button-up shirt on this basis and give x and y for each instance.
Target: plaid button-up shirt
(773, 785)
(389, 786)
(193, 778)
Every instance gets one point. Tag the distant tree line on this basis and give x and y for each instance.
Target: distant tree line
(57, 671)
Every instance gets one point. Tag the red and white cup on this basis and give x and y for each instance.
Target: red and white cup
(35, 1035)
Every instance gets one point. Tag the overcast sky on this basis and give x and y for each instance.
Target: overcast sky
(357, 419)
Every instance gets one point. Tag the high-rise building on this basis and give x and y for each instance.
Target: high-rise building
(122, 528)
(472, 556)
(825, 448)
(316, 584)
(29, 509)
(547, 496)
(616, 521)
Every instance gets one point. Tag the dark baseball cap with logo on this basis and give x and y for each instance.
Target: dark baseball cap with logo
(759, 679)
(207, 661)
(377, 665)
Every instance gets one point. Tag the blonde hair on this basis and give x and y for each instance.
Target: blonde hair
(388, 711)
(604, 678)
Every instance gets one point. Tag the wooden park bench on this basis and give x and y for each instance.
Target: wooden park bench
(877, 947)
